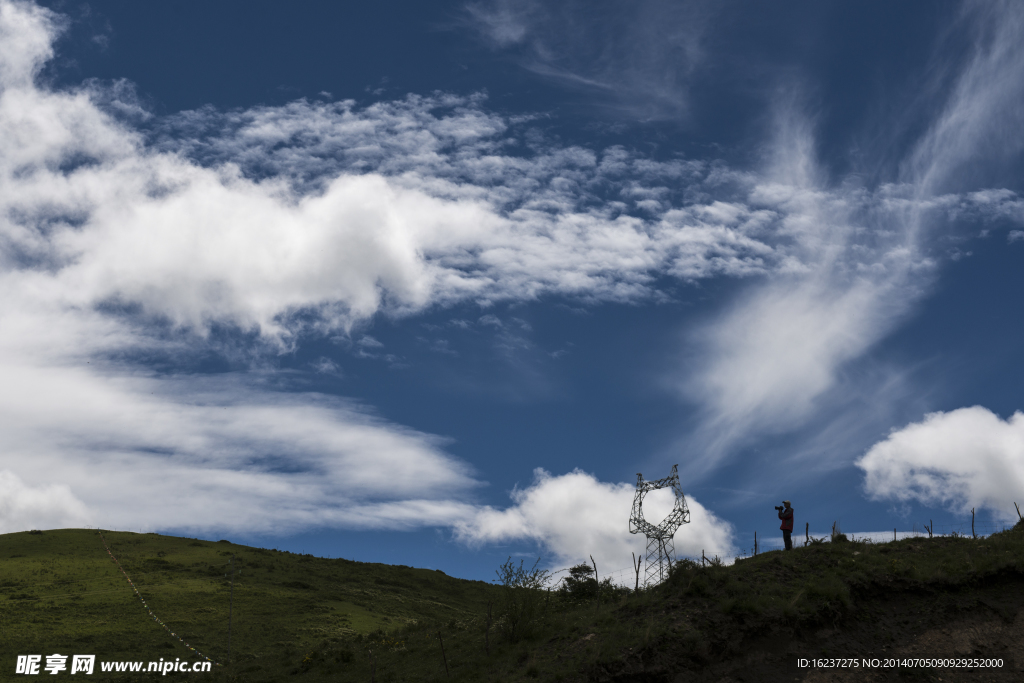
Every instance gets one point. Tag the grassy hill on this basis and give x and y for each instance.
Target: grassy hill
(61, 592)
(300, 618)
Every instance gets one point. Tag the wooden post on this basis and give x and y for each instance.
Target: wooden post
(443, 656)
(973, 535)
(636, 565)
(807, 533)
(702, 557)
(231, 604)
(487, 632)
(597, 604)
(1018, 511)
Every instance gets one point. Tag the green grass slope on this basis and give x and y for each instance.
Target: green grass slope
(61, 593)
(298, 618)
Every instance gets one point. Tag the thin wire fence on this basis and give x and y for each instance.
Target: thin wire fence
(764, 542)
(769, 541)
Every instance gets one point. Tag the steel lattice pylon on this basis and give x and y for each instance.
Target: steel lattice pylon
(660, 548)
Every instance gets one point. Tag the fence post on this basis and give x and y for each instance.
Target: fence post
(1018, 511)
(636, 564)
(231, 604)
(755, 543)
(807, 533)
(487, 633)
(598, 582)
(973, 535)
(443, 656)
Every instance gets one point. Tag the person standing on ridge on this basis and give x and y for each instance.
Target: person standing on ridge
(786, 515)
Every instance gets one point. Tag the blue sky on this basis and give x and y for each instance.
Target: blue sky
(429, 283)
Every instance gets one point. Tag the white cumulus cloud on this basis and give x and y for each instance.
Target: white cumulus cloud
(37, 507)
(961, 459)
(575, 515)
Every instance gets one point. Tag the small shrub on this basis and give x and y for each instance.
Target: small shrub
(580, 585)
(610, 591)
(683, 572)
(899, 567)
(520, 598)
(699, 585)
(829, 590)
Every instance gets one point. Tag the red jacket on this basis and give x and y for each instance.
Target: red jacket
(787, 519)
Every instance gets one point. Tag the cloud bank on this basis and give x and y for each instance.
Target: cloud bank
(128, 246)
(961, 459)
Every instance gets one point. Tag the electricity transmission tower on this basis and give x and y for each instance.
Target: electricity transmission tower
(660, 548)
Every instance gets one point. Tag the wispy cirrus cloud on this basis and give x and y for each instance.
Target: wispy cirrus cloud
(975, 130)
(637, 58)
(862, 257)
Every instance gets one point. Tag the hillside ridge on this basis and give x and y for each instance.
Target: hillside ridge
(300, 618)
